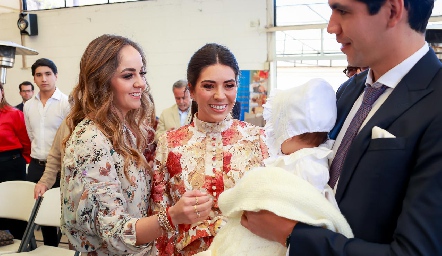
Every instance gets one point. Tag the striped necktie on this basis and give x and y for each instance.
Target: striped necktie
(371, 94)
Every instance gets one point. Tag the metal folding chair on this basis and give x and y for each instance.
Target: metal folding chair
(48, 214)
(17, 202)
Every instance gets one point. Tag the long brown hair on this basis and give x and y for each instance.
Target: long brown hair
(3, 103)
(93, 99)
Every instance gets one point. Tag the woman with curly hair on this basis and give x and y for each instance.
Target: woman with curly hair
(106, 179)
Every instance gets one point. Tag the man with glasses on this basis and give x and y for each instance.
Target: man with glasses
(350, 71)
(26, 92)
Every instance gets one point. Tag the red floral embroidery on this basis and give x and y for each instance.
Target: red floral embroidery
(230, 136)
(226, 162)
(215, 186)
(193, 247)
(264, 149)
(241, 124)
(201, 233)
(157, 192)
(182, 228)
(173, 164)
(165, 245)
(196, 242)
(158, 187)
(178, 137)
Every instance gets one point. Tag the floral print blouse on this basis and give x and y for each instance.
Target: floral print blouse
(206, 156)
(100, 204)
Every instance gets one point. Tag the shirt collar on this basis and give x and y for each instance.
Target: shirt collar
(183, 112)
(395, 75)
(56, 95)
(206, 127)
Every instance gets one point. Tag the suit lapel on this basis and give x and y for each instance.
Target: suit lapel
(412, 88)
(176, 117)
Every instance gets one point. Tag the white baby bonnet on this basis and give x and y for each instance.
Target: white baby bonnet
(310, 107)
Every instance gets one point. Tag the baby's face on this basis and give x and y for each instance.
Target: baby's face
(295, 143)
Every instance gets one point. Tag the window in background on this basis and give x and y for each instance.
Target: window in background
(306, 43)
(301, 12)
(75, 3)
(33, 5)
(304, 49)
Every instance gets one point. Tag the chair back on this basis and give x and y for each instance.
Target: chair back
(16, 199)
(49, 213)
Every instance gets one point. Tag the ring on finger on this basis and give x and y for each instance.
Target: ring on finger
(196, 200)
(198, 214)
(194, 207)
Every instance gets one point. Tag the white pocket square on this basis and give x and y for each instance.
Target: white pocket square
(378, 133)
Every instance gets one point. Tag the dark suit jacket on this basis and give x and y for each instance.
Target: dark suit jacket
(20, 106)
(390, 189)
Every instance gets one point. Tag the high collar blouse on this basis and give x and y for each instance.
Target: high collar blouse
(210, 157)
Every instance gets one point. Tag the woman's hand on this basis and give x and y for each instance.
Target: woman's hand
(192, 207)
(39, 190)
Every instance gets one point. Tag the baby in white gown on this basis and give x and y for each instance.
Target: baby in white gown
(294, 182)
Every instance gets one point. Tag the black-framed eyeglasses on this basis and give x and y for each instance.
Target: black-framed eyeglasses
(350, 69)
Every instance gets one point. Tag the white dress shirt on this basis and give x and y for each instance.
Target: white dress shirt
(42, 122)
(183, 116)
(390, 79)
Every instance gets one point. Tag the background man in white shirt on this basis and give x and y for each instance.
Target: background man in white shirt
(43, 115)
(178, 114)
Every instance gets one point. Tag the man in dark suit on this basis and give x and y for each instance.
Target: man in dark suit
(390, 186)
(26, 92)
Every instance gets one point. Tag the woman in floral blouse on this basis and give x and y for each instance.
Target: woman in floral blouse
(210, 154)
(106, 181)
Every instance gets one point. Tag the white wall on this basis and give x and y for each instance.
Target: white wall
(169, 31)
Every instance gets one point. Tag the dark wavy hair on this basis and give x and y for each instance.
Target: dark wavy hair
(208, 55)
(419, 11)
